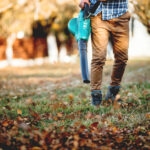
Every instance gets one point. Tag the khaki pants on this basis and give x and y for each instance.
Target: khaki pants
(118, 29)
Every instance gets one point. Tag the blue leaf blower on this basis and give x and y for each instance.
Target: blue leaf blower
(81, 28)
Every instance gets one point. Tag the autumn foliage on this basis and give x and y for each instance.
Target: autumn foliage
(76, 137)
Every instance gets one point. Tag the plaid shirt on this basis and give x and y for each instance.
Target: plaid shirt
(111, 8)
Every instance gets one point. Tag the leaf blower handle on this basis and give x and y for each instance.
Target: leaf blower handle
(86, 11)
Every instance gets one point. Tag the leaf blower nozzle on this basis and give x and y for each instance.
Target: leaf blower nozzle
(83, 60)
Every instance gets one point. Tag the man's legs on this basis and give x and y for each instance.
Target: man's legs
(100, 36)
(120, 40)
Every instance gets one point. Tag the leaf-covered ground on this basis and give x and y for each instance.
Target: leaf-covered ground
(48, 107)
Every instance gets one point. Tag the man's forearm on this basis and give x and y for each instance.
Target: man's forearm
(83, 2)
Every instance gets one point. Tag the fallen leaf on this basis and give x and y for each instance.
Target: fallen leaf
(19, 119)
(114, 129)
(36, 148)
(8, 107)
(75, 143)
(62, 128)
(82, 128)
(94, 125)
(119, 139)
(55, 118)
(28, 101)
(105, 148)
(59, 115)
(77, 123)
(19, 112)
(147, 115)
(71, 116)
(71, 97)
(119, 116)
(5, 123)
(23, 147)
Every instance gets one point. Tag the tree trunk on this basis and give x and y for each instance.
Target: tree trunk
(89, 53)
(9, 48)
(52, 48)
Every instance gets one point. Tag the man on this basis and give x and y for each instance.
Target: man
(111, 18)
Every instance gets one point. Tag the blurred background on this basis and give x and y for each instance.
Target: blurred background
(35, 32)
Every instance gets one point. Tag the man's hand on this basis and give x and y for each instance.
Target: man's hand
(83, 2)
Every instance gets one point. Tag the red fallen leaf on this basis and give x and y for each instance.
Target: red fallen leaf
(94, 125)
(5, 123)
(35, 115)
(119, 116)
(82, 142)
(82, 128)
(119, 139)
(148, 98)
(62, 128)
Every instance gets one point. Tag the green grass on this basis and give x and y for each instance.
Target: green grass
(49, 95)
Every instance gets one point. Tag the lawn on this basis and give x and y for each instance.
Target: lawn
(48, 107)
